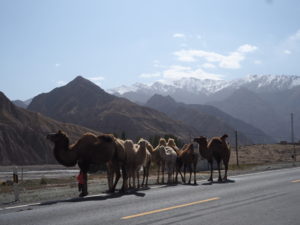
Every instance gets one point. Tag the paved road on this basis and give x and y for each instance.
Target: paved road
(271, 197)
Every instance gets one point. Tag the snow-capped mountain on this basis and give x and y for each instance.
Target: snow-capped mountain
(193, 90)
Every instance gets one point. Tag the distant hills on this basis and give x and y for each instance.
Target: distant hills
(265, 101)
(84, 103)
(208, 120)
(23, 135)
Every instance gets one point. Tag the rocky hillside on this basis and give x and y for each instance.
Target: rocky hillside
(23, 135)
(84, 103)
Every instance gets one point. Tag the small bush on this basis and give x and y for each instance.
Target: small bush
(43, 181)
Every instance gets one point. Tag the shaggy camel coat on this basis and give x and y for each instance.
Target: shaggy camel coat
(90, 151)
(217, 149)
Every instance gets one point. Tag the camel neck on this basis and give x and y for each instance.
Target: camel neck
(64, 155)
(204, 152)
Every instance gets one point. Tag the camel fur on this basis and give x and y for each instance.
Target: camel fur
(187, 158)
(171, 143)
(136, 156)
(147, 162)
(217, 149)
(88, 151)
(168, 160)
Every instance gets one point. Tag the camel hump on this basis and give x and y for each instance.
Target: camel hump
(106, 138)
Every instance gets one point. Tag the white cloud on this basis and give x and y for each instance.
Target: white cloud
(96, 80)
(247, 48)
(231, 61)
(150, 75)
(295, 37)
(208, 66)
(179, 35)
(176, 72)
(288, 52)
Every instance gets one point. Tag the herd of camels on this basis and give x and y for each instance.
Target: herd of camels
(127, 158)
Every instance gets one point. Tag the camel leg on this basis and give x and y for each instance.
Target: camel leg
(226, 168)
(118, 175)
(184, 172)
(163, 173)
(138, 178)
(219, 169)
(147, 173)
(125, 179)
(110, 176)
(211, 171)
(158, 169)
(190, 169)
(195, 168)
(144, 176)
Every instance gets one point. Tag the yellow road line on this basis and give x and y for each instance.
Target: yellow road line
(169, 208)
(295, 181)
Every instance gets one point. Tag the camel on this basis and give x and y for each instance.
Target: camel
(89, 151)
(217, 149)
(156, 156)
(168, 159)
(136, 155)
(147, 162)
(187, 158)
(171, 143)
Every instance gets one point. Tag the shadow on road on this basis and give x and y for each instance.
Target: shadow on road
(97, 198)
(228, 181)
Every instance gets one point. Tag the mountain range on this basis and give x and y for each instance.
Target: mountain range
(84, 103)
(23, 135)
(208, 120)
(265, 101)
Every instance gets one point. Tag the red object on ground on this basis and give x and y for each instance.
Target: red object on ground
(80, 178)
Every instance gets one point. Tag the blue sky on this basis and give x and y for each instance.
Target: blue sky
(45, 44)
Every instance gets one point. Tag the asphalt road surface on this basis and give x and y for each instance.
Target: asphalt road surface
(269, 198)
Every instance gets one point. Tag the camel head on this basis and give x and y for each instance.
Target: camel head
(142, 143)
(223, 138)
(201, 140)
(171, 142)
(59, 138)
(162, 142)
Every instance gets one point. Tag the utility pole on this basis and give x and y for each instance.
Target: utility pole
(236, 148)
(292, 138)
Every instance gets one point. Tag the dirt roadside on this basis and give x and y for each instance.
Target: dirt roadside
(64, 186)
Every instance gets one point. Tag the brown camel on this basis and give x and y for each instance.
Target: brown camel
(187, 158)
(90, 151)
(217, 149)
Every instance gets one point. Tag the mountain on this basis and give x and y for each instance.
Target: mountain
(20, 103)
(249, 107)
(265, 101)
(84, 103)
(23, 135)
(193, 90)
(208, 120)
